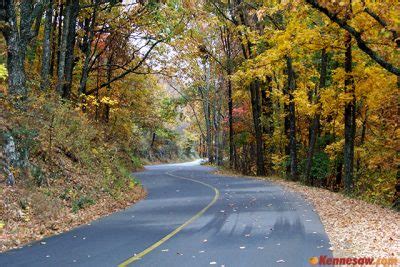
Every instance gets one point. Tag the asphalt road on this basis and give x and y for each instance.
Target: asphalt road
(190, 218)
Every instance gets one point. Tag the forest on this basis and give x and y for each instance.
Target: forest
(90, 90)
(306, 90)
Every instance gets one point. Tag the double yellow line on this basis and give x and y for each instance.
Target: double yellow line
(177, 230)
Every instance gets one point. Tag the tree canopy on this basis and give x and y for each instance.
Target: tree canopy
(306, 89)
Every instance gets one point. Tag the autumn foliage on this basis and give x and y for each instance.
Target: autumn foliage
(314, 90)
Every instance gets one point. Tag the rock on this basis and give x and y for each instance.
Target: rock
(10, 150)
(10, 158)
(10, 180)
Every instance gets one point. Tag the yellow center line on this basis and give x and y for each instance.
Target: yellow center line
(177, 230)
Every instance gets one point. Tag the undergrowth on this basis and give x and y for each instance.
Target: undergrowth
(66, 163)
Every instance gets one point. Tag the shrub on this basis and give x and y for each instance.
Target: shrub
(38, 175)
(81, 202)
(320, 168)
(136, 162)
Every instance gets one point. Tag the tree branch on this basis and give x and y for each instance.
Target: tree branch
(357, 36)
(395, 35)
(191, 107)
(128, 71)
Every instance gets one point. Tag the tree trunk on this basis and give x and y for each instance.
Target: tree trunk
(256, 110)
(63, 50)
(15, 53)
(396, 199)
(205, 95)
(59, 36)
(70, 57)
(207, 120)
(292, 119)
(210, 153)
(339, 173)
(230, 121)
(88, 51)
(229, 67)
(268, 129)
(109, 75)
(217, 99)
(316, 120)
(54, 42)
(349, 121)
(46, 53)
(362, 139)
(254, 88)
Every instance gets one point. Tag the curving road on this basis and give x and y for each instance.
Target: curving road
(191, 217)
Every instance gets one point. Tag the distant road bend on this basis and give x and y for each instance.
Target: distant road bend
(191, 217)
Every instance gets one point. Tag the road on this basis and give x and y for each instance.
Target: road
(191, 217)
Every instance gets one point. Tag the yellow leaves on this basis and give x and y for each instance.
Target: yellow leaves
(131, 184)
(328, 100)
(3, 72)
(108, 171)
(90, 98)
(279, 161)
(345, 98)
(109, 101)
(335, 148)
(95, 101)
(94, 151)
(303, 105)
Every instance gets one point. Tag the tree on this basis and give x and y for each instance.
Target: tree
(18, 36)
(316, 120)
(363, 45)
(47, 41)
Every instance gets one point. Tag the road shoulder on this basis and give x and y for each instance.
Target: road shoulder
(355, 228)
